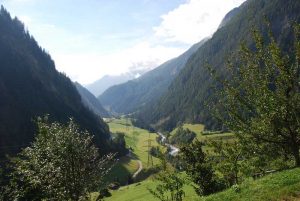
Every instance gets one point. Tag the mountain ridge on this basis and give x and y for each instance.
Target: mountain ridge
(30, 87)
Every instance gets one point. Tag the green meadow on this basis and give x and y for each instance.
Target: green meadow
(281, 186)
(137, 139)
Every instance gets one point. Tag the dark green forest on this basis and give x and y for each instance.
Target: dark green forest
(30, 86)
(189, 96)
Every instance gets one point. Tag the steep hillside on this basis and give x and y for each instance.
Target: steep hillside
(30, 86)
(90, 101)
(130, 96)
(188, 94)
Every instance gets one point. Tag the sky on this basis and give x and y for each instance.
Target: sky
(88, 39)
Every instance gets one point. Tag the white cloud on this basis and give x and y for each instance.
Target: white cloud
(194, 20)
(25, 19)
(187, 24)
(87, 67)
(77, 53)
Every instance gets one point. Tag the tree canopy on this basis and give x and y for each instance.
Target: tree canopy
(61, 164)
(260, 99)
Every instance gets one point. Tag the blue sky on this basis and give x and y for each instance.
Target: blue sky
(89, 39)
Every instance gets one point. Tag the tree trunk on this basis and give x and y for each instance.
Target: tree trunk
(295, 150)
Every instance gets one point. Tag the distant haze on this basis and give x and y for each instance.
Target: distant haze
(99, 86)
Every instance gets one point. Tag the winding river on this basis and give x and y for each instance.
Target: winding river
(173, 150)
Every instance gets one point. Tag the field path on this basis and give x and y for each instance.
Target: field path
(139, 163)
(139, 170)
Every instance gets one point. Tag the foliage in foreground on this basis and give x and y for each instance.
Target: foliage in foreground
(228, 161)
(169, 187)
(169, 182)
(61, 164)
(198, 167)
(260, 101)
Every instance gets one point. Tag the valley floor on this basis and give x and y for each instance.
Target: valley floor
(281, 186)
(136, 163)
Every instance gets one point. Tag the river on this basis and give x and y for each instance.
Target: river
(173, 150)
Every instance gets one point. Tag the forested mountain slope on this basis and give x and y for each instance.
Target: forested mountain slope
(130, 96)
(30, 86)
(187, 96)
(90, 101)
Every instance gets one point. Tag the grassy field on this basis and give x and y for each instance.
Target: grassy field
(282, 186)
(124, 168)
(139, 192)
(196, 128)
(202, 136)
(137, 139)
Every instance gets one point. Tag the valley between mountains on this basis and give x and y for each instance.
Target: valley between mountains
(220, 121)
